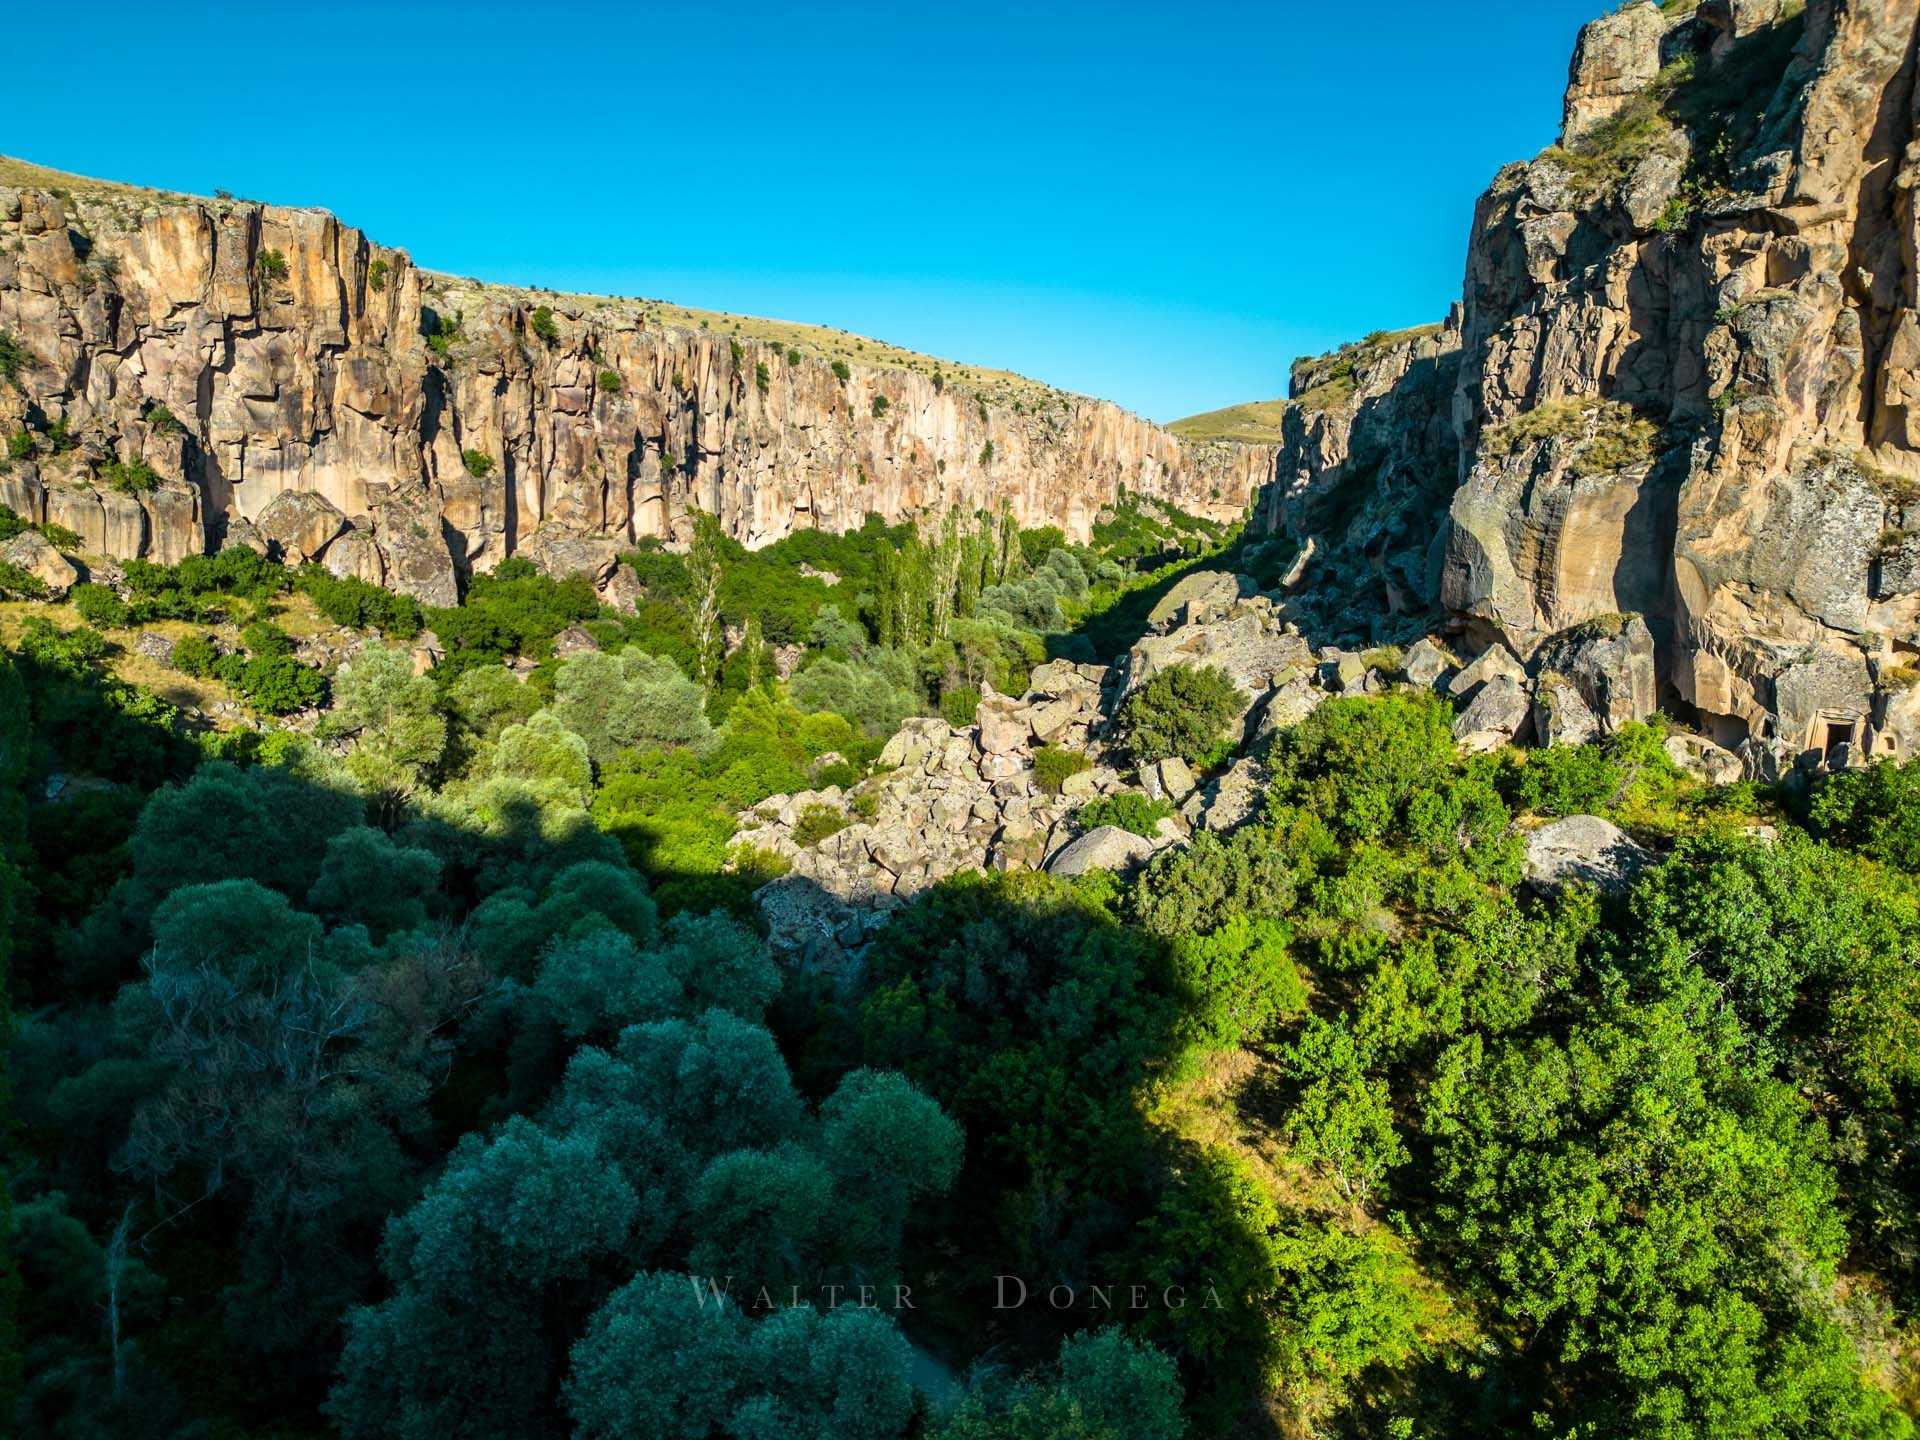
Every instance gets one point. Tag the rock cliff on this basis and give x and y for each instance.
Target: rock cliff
(183, 366)
(1683, 383)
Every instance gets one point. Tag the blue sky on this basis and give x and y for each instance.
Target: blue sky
(1157, 204)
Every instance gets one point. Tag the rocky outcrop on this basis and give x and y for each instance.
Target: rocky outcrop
(1365, 464)
(241, 353)
(1683, 384)
(1586, 849)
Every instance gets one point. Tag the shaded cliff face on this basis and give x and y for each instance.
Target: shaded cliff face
(1688, 375)
(299, 400)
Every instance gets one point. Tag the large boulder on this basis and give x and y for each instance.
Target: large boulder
(1561, 715)
(1610, 662)
(1703, 759)
(1495, 660)
(1106, 848)
(1586, 849)
(1194, 597)
(1005, 725)
(34, 553)
(298, 525)
(1495, 716)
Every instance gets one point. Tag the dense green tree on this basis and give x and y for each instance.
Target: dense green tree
(617, 702)
(368, 880)
(1183, 710)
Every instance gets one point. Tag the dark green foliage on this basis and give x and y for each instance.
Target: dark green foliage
(99, 606)
(377, 276)
(959, 705)
(441, 331)
(1874, 809)
(879, 406)
(544, 327)
(1184, 710)
(1054, 765)
(816, 823)
(274, 684)
(271, 266)
(840, 371)
(1129, 810)
(359, 605)
(194, 655)
(478, 463)
(19, 584)
(608, 382)
(14, 357)
(762, 377)
(129, 477)
(161, 421)
(515, 610)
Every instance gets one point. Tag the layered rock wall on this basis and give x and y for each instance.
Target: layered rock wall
(241, 352)
(1687, 379)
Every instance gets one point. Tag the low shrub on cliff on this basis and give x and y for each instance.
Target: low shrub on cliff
(609, 382)
(129, 477)
(13, 357)
(1607, 435)
(479, 464)
(272, 266)
(543, 325)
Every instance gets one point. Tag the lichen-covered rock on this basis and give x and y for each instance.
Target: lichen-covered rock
(1584, 848)
(33, 553)
(1106, 848)
(1498, 714)
(298, 525)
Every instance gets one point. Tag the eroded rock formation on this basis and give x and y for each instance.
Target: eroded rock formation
(189, 364)
(1686, 387)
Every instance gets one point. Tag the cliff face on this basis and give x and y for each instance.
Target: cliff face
(301, 404)
(1688, 376)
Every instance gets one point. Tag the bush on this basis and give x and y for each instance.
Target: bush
(441, 334)
(1129, 810)
(194, 655)
(986, 453)
(840, 371)
(360, 605)
(542, 324)
(13, 358)
(20, 445)
(1562, 780)
(959, 705)
(879, 406)
(161, 421)
(377, 277)
(130, 477)
(272, 265)
(610, 382)
(1053, 764)
(816, 823)
(19, 584)
(479, 464)
(1184, 710)
(99, 606)
(762, 377)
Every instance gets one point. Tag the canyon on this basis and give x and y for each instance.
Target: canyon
(216, 371)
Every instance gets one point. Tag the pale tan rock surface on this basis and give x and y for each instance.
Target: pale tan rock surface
(1683, 384)
(290, 351)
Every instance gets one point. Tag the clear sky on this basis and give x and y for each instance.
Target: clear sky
(1159, 204)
